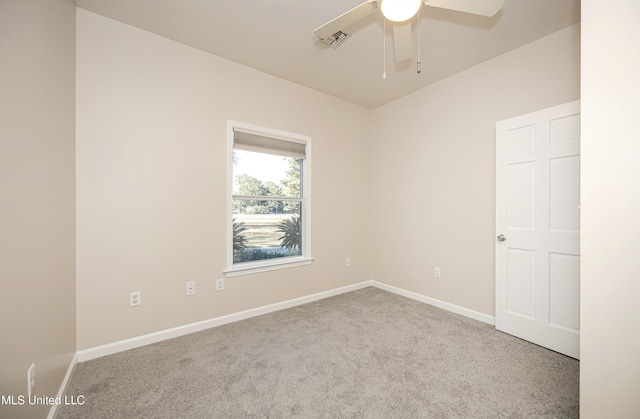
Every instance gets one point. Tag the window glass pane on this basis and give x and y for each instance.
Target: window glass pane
(258, 236)
(259, 174)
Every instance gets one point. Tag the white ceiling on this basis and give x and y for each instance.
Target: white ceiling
(276, 37)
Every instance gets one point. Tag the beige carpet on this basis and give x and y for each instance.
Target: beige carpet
(365, 354)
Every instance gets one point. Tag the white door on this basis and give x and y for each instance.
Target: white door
(538, 227)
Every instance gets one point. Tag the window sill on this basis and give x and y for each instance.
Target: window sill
(258, 267)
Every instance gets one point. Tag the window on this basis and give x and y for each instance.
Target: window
(268, 200)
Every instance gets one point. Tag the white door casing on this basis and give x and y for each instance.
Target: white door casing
(538, 215)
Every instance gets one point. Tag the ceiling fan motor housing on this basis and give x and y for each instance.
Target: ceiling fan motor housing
(399, 10)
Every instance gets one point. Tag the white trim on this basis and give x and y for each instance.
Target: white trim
(138, 341)
(437, 303)
(281, 263)
(63, 385)
(305, 181)
(305, 175)
(228, 220)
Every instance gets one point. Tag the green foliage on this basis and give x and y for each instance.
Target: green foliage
(254, 253)
(253, 237)
(291, 229)
(291, 184)
(239, 240)
(248, 185)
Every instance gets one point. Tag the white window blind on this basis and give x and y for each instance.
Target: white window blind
(248, 140)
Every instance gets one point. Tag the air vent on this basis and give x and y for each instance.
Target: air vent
(335, 40)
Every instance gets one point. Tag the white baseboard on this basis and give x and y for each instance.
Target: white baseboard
(437, 303)
(138, 341)
(63, 386)
(124, 345)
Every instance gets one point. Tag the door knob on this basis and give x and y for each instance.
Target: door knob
(501, 238)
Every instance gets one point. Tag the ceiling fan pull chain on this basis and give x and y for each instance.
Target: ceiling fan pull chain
(419, 65)
(384, 49)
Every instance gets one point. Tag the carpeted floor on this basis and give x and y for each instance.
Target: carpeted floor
(365, 354)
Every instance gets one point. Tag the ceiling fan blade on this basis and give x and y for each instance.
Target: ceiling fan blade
(402, 41)
(477, 7)
(346, 19)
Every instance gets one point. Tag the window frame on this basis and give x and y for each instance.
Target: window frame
(264, 265)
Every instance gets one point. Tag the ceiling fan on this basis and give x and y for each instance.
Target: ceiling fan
(400, 12)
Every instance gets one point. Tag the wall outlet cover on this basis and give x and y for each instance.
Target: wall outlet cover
(191, 288)
(135, 298)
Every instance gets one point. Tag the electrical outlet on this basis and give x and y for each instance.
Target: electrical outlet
(348, 262)
(219, 284)
(135, 299)
(191, 288)
(437, 272)
(31, 378)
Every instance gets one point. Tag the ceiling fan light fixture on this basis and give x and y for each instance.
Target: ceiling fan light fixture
(400, 10)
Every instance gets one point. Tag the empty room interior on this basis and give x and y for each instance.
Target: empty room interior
(127, 259)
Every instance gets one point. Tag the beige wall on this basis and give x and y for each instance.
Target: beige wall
(433, 169)
(151, 138)
(610, 267)
(37, 235)
(152, 182)
(146, 153)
